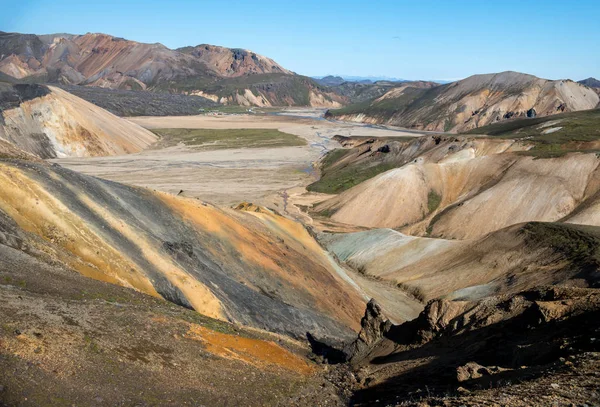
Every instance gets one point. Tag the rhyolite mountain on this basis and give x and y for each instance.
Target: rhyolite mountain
(330, 80)
(473, 102)
(590, 82)
(205, 70)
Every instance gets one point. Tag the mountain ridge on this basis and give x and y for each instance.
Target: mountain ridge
(472, 102)
(102, 60)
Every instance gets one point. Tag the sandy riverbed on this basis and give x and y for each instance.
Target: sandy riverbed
(227, 177)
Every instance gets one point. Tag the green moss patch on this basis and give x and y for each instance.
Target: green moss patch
(433, 200)
(218, 139)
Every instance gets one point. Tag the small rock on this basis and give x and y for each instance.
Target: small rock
(554, 386)
(470, 371)
(462, 390)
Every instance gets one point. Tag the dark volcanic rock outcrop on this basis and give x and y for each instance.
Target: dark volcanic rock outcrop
(485, 344)
(140, 103)
(374, 325)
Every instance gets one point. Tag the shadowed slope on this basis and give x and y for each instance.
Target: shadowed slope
(510, 348)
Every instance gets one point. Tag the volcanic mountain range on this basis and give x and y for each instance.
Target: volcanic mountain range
(478, 247)
(103, 60)
(226, 75)
(242, 77)
(472, 102)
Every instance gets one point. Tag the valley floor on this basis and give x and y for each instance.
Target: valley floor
(229, 176)
(274, 177)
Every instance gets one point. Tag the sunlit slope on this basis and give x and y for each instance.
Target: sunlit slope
(224, 75)
(256, 268)
(97, 343)
(59, 124)
(476, 101)
(469, 190)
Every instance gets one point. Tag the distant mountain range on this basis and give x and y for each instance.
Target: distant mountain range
(221, 74)
(591, 82)
(333, 80)
(338, 79)
(242, 77)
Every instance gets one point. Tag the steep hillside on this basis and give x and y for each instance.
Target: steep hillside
(364, 158)
(94, 343)
(551, 136)
(7, 150)
(472, 102)
(507, 261)
(103, 60)
(470, 197)
(49, 122)
(204, 70)
(248, 266)
(456, 187)
(273, 89)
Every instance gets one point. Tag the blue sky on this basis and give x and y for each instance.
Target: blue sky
(405, 39)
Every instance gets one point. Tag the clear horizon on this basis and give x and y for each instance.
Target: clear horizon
(430, 40)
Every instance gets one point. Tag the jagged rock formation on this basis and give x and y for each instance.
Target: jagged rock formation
(508, 261)
(472, 102)
(373, 327)
(525, 338)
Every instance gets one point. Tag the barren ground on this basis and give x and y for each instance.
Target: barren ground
(229, 176)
